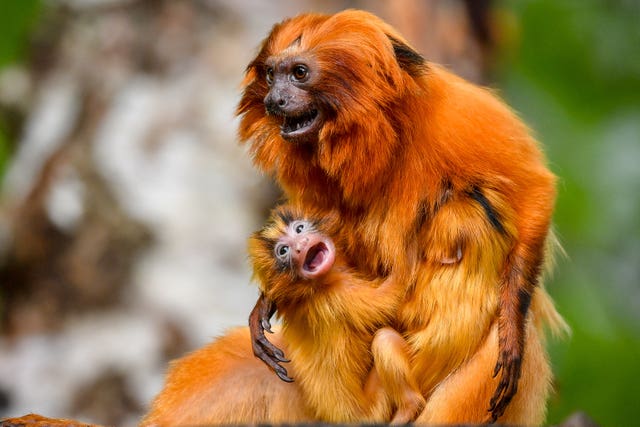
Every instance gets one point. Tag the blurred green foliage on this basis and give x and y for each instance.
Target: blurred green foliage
(573, 73)
(17, 20)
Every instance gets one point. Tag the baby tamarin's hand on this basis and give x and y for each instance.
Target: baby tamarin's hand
(260, 321)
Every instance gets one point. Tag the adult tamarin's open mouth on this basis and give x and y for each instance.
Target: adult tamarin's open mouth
(318, 260)
(297, 126)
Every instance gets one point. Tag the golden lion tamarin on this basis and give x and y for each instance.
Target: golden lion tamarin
(351, 365)
(436, 182)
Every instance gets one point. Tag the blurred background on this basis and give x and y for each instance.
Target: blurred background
(126, 200)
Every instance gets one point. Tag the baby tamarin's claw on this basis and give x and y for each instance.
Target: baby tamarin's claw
(266, 325)
(263, 349)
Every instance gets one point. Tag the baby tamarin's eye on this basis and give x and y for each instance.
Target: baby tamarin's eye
(282, 251)
(299, 228)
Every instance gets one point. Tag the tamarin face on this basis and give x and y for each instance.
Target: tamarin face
(289, 253)
(289, 99)
(303, 250)
(316, 76)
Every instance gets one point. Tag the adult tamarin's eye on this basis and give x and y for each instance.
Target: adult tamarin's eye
(300, 72)
(269, 75)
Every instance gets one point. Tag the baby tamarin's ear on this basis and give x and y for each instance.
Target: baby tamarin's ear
(410, 60)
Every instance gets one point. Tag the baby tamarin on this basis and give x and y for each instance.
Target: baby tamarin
(350, 364)
(435, 181)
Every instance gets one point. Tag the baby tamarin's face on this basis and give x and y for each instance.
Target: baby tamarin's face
(290, 254)
(303, 250)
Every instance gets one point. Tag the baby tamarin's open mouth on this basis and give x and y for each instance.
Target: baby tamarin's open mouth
(315, 257)
(319, 259)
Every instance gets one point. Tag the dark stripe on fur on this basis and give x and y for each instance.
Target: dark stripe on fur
(285, 215)
(493, 217)
(524, 301)
(409, 60)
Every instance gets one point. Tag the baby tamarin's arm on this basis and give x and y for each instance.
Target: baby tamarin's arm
(260, 321)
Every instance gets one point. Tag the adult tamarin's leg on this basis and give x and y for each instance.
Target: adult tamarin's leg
(462, 396)
(223, 383)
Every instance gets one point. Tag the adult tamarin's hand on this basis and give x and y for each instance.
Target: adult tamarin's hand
(435, 180)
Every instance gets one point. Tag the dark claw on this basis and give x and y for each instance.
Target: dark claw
(507, 387)
(280, 371)
(271, 350)
(496, 370)
(263, 349)
(266, 325)
(282, 374)
(278, 354)
(490, 419)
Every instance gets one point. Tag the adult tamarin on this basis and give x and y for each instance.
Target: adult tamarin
(436, 182)
(351, 365)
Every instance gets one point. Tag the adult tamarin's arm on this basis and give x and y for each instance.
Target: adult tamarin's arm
(522, 271)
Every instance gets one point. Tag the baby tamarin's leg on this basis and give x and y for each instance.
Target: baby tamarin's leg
(223, 383)
(392, 370)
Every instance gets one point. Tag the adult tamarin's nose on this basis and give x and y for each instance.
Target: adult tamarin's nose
(276, 101)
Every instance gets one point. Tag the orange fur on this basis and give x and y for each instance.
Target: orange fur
(333, 327)
(223, 383)
(36, 420)
(436, 182)
(462, 396)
